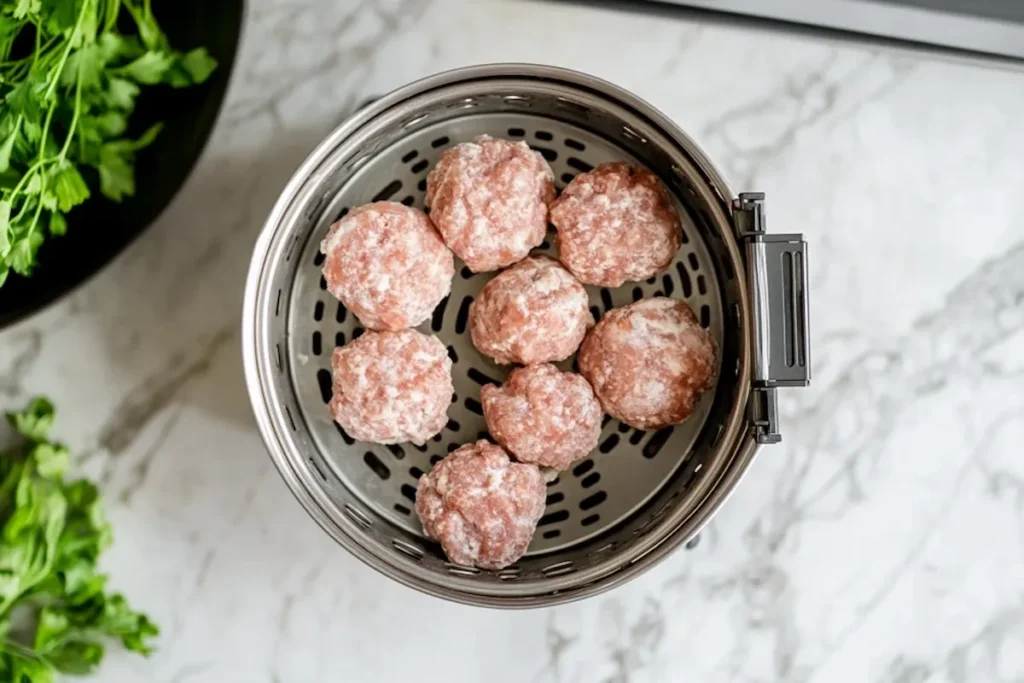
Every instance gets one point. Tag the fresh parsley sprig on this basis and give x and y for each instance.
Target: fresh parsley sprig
(68, 84)
(55, 612)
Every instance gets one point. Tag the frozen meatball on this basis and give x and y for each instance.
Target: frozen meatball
(649, 362)
(615, 224)
(543, 415)
(388, 265)
(489, 199)
(391, 387)
(534, 312)
(481, 506)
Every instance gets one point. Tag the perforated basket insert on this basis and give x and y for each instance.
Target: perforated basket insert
(628, 467)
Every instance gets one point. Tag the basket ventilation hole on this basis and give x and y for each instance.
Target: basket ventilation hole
(575, 144)
(606, 299)
(609, 444)
(396, 451)
(473, 406)
(694, 263)
(408, 201)
(463, 318)
(434, 459)
(480, 378)
(420, 166)
(593, 501)
(344, 435)
(508, 573)
(316, 467)
(670, 286)
(402, 509)
(544, 135)
(554, 517)
(583, 468)
(623, 428)
(567, 178)
(590, 519)
(389, 191)
(407, 549)
(552, 533)
(318, 311)
(357, 332)
(410, 156)
(462, 571)
(590, 480)
(422, 185)
(516, 132)
(637, 436)
(409, 492)
(559, 568)
(415, 473)
(374, 463)
(553, 482)
(684, 280)
(705, 316)
(323, 378)
(638, 294)
(556, 497)
(318, 258)
(339, 339)
(657, 442)
(547, 153)
(440, 142)
(437, 322)
(357, 517)
(579, 164)
(316, 344)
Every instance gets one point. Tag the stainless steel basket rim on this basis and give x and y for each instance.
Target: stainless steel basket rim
(675, 528)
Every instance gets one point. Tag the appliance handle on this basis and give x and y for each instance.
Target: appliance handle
(778, 285)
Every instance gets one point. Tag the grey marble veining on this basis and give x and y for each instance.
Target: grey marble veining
(882, 542)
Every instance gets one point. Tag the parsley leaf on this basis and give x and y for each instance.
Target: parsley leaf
(150, 68)
(71, 72)
(51, 535)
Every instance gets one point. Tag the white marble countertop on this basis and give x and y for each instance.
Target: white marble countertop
(882, 542)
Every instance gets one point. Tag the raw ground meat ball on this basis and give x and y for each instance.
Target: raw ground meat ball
(489, 200)
(543, 416)
(482, 507)
(649, 362)
(388, 265)
(391, 387)
(534, 312)
(615, 224)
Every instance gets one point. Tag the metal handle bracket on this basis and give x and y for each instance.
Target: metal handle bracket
(777, 279)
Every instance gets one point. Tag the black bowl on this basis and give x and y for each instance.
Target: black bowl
(100, 229)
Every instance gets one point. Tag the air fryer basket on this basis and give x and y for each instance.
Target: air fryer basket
(640, 494)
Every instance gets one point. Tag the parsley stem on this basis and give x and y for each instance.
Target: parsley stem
(67, 51)
(74, 118)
